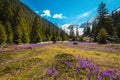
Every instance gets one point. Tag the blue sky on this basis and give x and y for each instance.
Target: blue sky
(69, 11)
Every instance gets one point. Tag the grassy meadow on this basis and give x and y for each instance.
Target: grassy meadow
(61, 61)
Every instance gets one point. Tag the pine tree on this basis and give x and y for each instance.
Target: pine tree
(109, 26)
(94, 31)
(118, 30)
(71, 28)
(77, 32)
(87, 32)
(9, 32)
(102, 14)
(54, 37)
(36, 31)
(102, 10)
(18, 35)
(62, 35)
(116, 22)
(25, 31)
(48, 33)
(3, 35)
(17, 26)
(102, 21)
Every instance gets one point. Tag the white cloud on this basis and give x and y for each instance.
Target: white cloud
(37, 12)
(83, 15)
(46, 13)
(58, 16)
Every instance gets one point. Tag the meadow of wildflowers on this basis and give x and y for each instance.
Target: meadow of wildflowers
(69, 67)
(60, 61)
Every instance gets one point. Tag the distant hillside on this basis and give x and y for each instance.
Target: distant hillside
(19, 24)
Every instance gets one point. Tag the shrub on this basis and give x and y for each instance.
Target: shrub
(102, 36)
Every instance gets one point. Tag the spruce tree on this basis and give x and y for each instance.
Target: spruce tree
(18, 35)
(36, 31)
(87, 32)
(9, 32)
(102, 10)
(54, 37)
(77, 34)
(102, 21)
(117, 28)
(102, 14)
(109, 26)
(71, 28)
(3, 35)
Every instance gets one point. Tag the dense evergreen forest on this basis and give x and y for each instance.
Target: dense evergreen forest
(19, 24)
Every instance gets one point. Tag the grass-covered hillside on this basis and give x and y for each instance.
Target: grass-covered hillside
(60, 61)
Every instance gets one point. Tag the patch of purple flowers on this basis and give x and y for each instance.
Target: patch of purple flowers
(83, 67)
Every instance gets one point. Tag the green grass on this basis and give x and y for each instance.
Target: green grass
(30, 62)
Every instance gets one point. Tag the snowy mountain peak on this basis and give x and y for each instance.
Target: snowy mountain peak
(116, 10)
(66, 28)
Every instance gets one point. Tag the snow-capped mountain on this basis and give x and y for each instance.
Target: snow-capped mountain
(81, 28)
(66, 28)
(88, 23)
(85, 24)
(117, 10)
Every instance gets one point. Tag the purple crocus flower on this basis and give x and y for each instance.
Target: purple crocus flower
(107, 74)
(66, 62)
(78, 70)
(54, 69)
(101, 74)
(115, 70)
(88, 79)
(30, 76)
(96, 69)
(91, 66)
(43, 77)
(96, 76)
(115, 76)
(56, 74)
(91, 71)
(88, 75)
(49, 72)
(65, 78)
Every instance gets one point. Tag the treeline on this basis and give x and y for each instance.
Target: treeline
(19, 24)
(106, 27)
